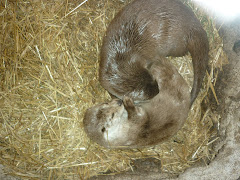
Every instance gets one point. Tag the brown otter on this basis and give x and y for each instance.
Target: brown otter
(142, 31)
(123, 124)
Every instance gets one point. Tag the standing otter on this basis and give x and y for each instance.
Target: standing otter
(142, 31)
(123, 124)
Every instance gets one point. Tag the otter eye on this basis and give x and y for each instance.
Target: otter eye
(103, 129)
(112, 115)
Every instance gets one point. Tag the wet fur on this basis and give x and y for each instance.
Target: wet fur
(141, 33)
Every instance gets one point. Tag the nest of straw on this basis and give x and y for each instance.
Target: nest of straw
(49, 77)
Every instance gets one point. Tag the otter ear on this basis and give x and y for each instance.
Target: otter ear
(129, 106)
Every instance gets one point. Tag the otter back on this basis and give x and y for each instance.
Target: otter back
(141, 33)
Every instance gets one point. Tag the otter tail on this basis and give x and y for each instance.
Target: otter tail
(198, 47)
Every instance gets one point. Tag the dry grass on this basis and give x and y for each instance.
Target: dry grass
(48, 77)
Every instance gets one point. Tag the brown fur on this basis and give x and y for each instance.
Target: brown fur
(127, 125)
(140, 33)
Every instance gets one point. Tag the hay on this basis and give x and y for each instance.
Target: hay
(48, 77)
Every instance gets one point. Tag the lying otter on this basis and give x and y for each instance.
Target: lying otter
(123, 124)
(142, 31)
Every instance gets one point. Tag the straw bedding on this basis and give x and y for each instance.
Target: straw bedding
(48, 78)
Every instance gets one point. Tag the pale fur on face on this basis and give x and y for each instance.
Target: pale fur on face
(117, 129)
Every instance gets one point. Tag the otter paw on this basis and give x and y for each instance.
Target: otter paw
(128, 102)
(129, 106)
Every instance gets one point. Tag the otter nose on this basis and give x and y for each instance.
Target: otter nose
(119, 102)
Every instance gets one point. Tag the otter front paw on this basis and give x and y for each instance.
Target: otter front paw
(129, 106)
(128, 102)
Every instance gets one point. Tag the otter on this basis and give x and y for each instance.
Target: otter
(127, 124)
(143, 31)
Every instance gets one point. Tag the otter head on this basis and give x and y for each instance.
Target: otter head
(114, 124)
